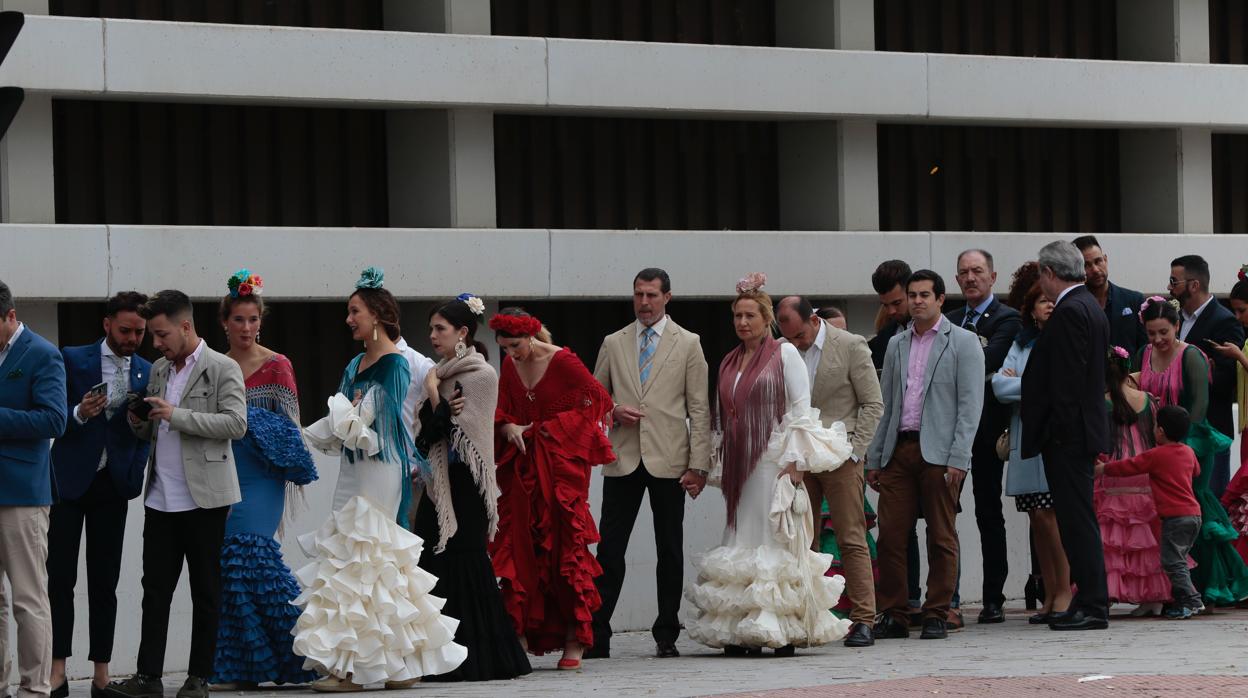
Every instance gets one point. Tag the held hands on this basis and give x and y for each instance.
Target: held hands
(693, 483)
(160, 409)
(92, 405)
(794, 474)
(515, 434)
(626, 415)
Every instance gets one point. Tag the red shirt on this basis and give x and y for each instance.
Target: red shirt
(1171, 469)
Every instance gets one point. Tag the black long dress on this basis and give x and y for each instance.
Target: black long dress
(465, 575)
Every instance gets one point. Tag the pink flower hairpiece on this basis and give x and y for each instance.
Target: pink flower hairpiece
(1120, 352)
(1148, 302)
(754, 281)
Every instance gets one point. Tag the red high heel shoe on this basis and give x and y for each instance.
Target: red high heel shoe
(569, 664)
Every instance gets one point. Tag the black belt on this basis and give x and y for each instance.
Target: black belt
(907, 436)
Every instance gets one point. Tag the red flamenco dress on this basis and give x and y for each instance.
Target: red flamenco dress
(541, 551)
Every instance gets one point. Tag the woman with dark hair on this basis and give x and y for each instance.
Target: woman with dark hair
(763, 586)
(367, 614)
(1177, 373)
(1130, 527)
(458, 511)
(1024, 477)
(550, 430)
(253, 637)
(1235, 498)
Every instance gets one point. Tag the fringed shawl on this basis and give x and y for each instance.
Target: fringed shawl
(385, 384)
(471, 441)
(272, 387)
(748, 413)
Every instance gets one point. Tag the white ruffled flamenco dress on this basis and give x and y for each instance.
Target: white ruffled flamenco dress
(764, 586)
(367, 611)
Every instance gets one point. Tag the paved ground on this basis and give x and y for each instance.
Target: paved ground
(1208, 655)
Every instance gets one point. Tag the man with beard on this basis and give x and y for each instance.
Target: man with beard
(99, 468)
(1120, 304)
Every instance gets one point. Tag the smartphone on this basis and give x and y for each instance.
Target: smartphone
(139, 406)
(459, 389)
(98, 389)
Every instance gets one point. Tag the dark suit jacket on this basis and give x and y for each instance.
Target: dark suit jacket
(1217, 323)
(76, 455)
(997, 329)
(1063, 401)
(1122, 308)
(879, 343)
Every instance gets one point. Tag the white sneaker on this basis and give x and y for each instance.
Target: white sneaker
(1146, 610)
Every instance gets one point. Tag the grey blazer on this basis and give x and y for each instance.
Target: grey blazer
(952, 400)
(212, 412)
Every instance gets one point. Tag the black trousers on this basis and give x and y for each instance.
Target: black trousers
(621, 500)
(1070, 477)
(104, 513)
(169, 538)
(986, 474)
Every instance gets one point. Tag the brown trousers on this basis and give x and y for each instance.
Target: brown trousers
(906, 482)
(843, 489)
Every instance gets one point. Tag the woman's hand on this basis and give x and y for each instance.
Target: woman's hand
(794, 474)
(431, 387)
(457, 404)
(1009, 373)
(514, 434)
(1229, 350)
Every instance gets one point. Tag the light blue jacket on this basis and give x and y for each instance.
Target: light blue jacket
(1024, 475)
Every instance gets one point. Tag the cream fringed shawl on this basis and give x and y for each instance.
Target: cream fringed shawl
(471, 439)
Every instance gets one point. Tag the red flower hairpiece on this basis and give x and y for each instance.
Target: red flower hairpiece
(516, 325)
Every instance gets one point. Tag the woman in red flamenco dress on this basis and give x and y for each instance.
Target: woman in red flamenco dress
(549, 433)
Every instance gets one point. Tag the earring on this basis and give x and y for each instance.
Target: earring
(461, 349)
(530, 342)
(257, 338)
(374, 332)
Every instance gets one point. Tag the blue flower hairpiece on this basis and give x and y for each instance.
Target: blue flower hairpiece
(371, 278)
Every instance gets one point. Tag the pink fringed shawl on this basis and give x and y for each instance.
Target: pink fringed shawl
(748, 414)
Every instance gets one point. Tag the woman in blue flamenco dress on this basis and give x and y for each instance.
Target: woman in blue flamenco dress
(254, 635)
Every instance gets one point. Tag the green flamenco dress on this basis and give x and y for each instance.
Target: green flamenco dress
(828, 545)
(1220, 574)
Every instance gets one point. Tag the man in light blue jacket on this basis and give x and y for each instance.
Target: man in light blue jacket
(933, 388)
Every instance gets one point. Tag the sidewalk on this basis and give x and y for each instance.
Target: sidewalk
(1145, 657)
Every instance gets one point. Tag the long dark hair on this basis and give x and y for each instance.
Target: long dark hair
(1117, 371)
(457, 312)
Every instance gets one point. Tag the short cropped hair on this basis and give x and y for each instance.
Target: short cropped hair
(171, 303)
(652, 273)
(1086, 242)
(6, 299)
(1064, 259)
(1174, 421)
(975, 250)
(125, 302)
(1196, 267)
(938, 284)
(890, 275)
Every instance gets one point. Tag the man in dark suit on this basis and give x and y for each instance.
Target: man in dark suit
(996, 326)
(1065, 420)
(98, 465)
(1121, 305)
(1205, 323)
(889, 282)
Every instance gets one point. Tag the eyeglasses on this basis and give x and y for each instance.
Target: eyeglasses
(1174, 281)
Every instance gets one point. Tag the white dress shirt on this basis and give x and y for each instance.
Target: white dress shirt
(1062, 295)
(420, 366)
(169, 492)
(108, 371)
(4, 350)
(812, 354)
(1189, 321)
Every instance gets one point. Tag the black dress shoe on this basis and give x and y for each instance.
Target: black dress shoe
(1040, 618)
(934, 629)
(137, 686)
(1079, 621)
(992, 613)
(889, 628)
(663, 650)
(61, 691)
(597, 651)
(861, 635)
(734, 651)
(97, 692)
(193, 687)
(786, 651)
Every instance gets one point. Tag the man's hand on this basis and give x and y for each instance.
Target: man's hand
(873, 480)
(626, 415)
(693, 482)
(1009, 373)
(92, 405)
(955, 476)
(431, 386)
(794, 474)
(1099, 470)
(160, 409)
(133, 419)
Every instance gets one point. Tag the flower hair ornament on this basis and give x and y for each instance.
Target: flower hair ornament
(754, 281)
(243, 283)
(475, 304)
(1155, 299)
(1243, 273)
(371, 277)
(1121, 357)
(516, 325)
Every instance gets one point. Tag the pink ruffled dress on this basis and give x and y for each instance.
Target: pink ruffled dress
(1130, 527)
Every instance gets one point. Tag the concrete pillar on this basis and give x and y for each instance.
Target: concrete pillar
(1166, 175)
(441, 168)
(829, 176)
(27, 187)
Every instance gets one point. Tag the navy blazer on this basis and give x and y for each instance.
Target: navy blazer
(1219, 324)
(76, 455)
(32, 413)
(1122, 309)
(997, 328)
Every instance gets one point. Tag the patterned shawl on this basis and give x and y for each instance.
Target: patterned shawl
(748, 414)
(471, 441)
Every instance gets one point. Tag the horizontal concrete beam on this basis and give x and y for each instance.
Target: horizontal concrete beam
(127, 59)
(61, 262)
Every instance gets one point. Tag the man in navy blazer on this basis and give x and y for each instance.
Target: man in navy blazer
(98, 466)
(32, 413)
(1122, 305)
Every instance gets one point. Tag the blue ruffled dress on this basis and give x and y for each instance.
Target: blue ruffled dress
(254, 636)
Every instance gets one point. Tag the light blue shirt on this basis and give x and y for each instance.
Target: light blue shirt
(979, 310)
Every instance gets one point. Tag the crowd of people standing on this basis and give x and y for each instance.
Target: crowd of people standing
(460, 533)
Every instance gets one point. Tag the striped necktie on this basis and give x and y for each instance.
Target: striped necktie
(646, 358)
(972, 317)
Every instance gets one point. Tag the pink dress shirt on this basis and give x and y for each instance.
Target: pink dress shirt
(169, 491)
(916, 376)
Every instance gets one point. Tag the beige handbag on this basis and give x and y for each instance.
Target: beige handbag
(1003, 445)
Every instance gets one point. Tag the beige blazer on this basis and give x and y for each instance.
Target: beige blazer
(212, 412)
(846, 388)
(675, 434)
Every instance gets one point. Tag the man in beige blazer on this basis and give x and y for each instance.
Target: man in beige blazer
(197, 407)
(844, 388)
(656, 374)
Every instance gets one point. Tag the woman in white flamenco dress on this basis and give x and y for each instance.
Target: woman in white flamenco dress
(764, 586)
(367, 614)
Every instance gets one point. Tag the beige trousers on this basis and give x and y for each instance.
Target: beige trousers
(23, 559)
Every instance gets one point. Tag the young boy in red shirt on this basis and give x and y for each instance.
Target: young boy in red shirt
(1171, 467)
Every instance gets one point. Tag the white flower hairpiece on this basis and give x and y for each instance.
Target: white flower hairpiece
(476, 305)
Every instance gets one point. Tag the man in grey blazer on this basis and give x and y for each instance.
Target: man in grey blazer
(197, 407)
(933, 388)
